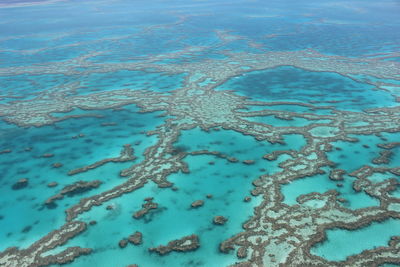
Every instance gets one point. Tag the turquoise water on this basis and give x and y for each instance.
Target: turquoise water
(135, 80)
(222, 180)
(199, 65)
(235, 144)
(26, 86)
(291, 108)
(174, 218)
(349, 150)
(343, 243)
(295, 122)
(321, 184)
(72, 153)
(293, 84)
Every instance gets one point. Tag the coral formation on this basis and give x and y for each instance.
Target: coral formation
(184, 244)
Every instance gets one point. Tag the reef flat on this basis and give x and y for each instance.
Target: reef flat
(236, 149)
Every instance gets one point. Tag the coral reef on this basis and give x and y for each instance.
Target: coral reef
(146, 207)
(219, 220)
(21, 183)
(136, 238)
(71, 190)
(125, 155)
(197, 203)
(185, 244)
(277, 233)
(32, 256)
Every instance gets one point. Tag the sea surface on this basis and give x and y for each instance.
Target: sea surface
(252, 107)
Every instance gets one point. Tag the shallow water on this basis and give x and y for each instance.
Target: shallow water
(343, 243)
(292, 84)
(255, 103)
(97, 143)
